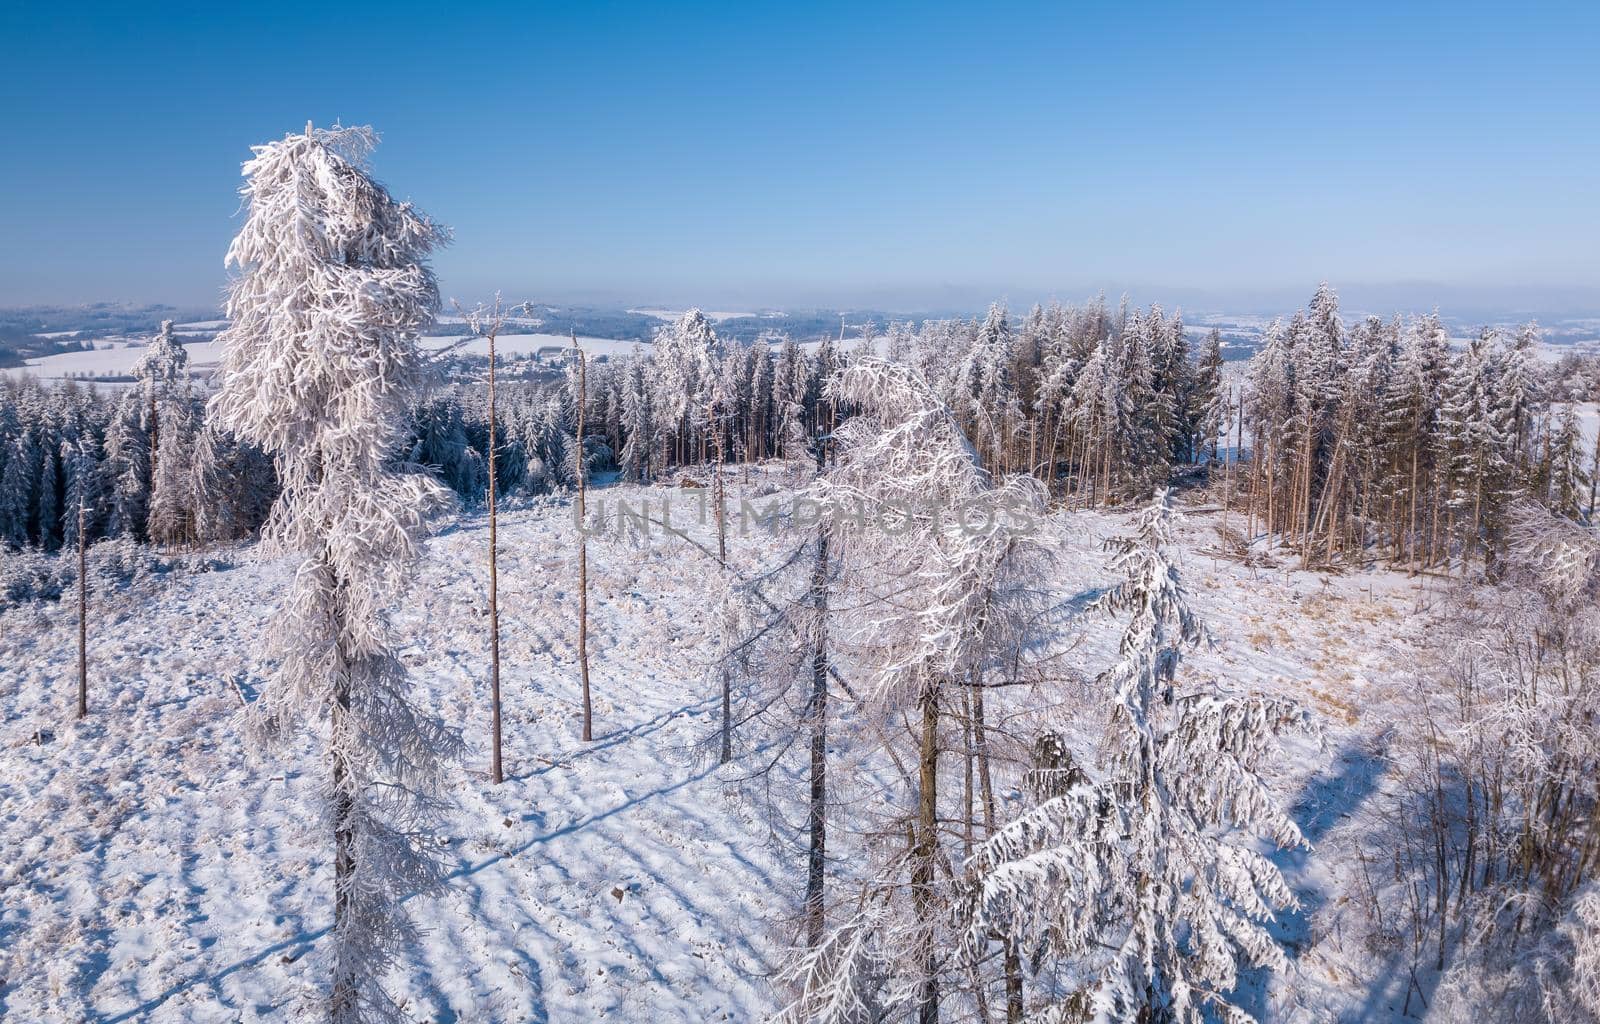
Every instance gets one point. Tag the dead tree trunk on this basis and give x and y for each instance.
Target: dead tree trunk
(583, 555)
(83, 625)
(726, 753)
(495, 771)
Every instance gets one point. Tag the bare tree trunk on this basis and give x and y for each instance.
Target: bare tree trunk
(980, 741)
(1227, 474)
(83, 625)
(1411, 524)
(969, 755)
(583, 555)
(816, 857)
(925, 856)
(726, 753)
(344, 1002)
(495, 771)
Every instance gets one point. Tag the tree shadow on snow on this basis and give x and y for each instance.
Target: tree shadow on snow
(1326, 799)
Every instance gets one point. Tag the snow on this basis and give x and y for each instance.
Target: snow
(104, 365)
(156, 870)
(1588, 414)
(673, 314)
(507, 345)
(116, 360)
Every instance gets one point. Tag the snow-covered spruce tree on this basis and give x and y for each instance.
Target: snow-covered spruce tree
(1208, 400)
(160, 369)
(127, 469)
(85, 489)
(320, 367)
(684, 360)
(939, 568)
(637, 424)
(1136, 893)
(172, 495)
(16, 490)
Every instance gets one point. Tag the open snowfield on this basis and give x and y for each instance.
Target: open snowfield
(113, 363)
(157, 870)
(116, 359)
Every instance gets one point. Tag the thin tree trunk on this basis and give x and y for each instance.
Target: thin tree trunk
(83, 625)
(726, 753)
(583, 556)
(980, 741)
(1227, 476)
(816, 858)
(1411, 524)
(344, 1002)
(969, 755)
(495, 771)
(925, 856)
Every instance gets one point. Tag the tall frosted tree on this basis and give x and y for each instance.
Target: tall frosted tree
(944, 570)
(320, 367)
(160, 369)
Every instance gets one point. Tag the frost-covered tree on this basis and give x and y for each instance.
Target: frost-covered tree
(320, 366)
(160, 369)
(127, 469)
(1208, 399)
(638, 427)
(943, 566)
(85, 489)
(172, 495)
(1137, 893)
(684, 357)
(16, 487)
(1568, 478)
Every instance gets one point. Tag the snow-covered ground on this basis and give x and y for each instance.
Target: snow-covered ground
(112, 360)
(156, 870)
(673, 314)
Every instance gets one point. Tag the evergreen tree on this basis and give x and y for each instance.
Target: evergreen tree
(1145, 884)
(1207, 400)
(320, 366)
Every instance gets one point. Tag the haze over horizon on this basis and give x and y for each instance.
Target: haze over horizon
(902, 158)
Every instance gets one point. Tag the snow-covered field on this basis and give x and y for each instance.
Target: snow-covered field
(157, 870)
(112, 359)
(116, 358)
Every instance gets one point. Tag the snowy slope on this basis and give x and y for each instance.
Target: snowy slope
(156, 870)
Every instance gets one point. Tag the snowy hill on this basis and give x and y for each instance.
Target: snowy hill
(157, 870)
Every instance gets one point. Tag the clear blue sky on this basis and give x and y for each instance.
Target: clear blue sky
(829, 154)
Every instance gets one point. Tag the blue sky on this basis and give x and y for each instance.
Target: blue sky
(828, 154)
